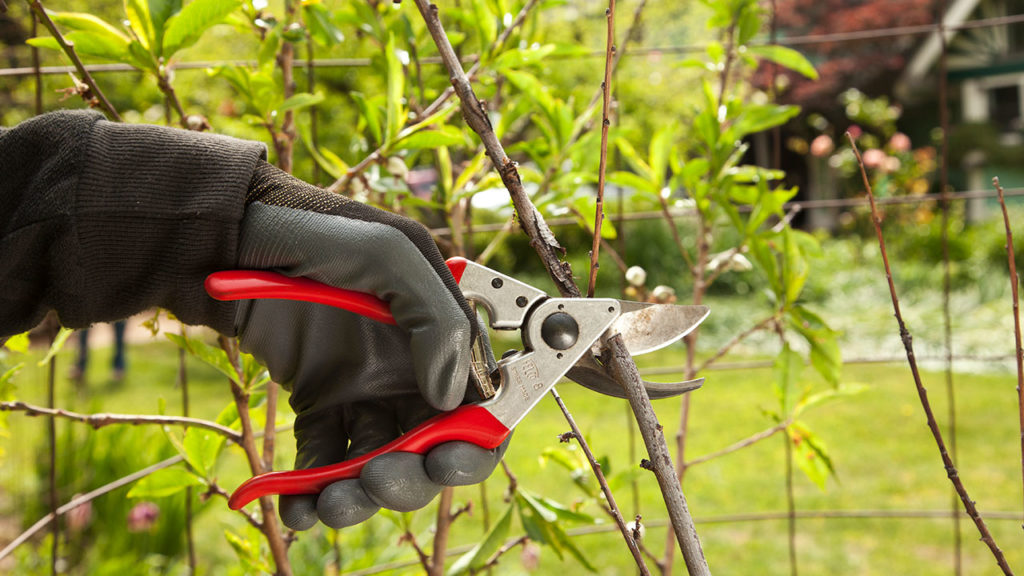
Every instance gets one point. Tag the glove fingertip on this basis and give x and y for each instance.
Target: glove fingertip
(344, 504)
(297, 512)
(461, 463)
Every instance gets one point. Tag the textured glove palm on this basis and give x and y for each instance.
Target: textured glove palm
(357, 384)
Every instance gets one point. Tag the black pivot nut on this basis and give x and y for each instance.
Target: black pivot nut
(560, 331)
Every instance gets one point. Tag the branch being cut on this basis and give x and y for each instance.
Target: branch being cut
(621, 364)
(922, 393)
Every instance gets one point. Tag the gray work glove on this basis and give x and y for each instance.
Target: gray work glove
(357, 384)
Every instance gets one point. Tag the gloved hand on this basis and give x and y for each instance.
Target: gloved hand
(356, 383)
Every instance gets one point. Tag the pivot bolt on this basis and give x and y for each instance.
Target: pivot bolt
(560, 331)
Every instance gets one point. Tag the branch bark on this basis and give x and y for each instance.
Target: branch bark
(922, 393)
(100, 420)
(1019, 352)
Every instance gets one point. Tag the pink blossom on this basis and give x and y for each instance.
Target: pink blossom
(530, 556)
(79, 517)
(142, 516)
(873, 158)
(822, 146)
(899, 142)
(855, 131)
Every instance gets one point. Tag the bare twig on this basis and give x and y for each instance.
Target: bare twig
(190, 544)
(735, 340)
(606, 91)
(268, 425)
(748, 441)
(612, 507)
(69, 50)
(922, 393)
(493, 560)
(1014, 281)
(285, 145)
(51, 433)
(101, 419)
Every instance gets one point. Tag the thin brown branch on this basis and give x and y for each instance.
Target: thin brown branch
(606, 90)
(735, 341)
(69, 49)
(269, 437)
(190, 543)
(286, 60)
(424, 558)
(922, 393)
(612, 507)
(737, 446)
(51, 433)
(1014, 281)
(505, 548)
(100, 420)
(268, 525)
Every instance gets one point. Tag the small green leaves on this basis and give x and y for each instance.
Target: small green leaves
(810, 454)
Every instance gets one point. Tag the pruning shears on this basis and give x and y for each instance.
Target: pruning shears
(560, 338)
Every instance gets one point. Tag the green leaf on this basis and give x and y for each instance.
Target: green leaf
(6, 377)
(248, 552)
(486, 23)
(659, 149)
(89, 44)
(159, 12)
(795, 269)
(430, 139)
(321, 27)
(301, 100)
(266, 57)
(810, 454)
(478, 556)
(56, 346)
(823, 341)
(785, 56)
(140, 22)
(18, 343)
(369, 113)
(630, 180)
(395, 111)
(211, 355)
(638, 165)
(163, 483)
(825, 396)
(87, 23)
(756, 118)
(202, 448)
(187, 26)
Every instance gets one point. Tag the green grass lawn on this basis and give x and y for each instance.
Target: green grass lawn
(884, 458)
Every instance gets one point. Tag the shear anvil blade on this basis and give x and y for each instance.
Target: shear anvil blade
(649, 327)
(590, 374)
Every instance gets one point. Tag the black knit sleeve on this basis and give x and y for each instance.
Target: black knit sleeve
(99, 220)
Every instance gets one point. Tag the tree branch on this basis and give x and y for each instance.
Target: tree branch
(748, 441)
(613, 508)
(606, 91)
(1012, 263)
(922, 393)
(101, 419)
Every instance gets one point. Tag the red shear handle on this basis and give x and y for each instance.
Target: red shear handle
(249, 284)
(469, 423)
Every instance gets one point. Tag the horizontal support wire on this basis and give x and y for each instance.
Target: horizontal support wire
(799, 206)
(806, 40)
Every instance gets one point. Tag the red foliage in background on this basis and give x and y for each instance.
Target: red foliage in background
(870, 65)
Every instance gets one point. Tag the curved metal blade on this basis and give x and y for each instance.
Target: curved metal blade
(588, 373)
(649, 327)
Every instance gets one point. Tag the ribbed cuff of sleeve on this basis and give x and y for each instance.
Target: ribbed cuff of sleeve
(157, 210)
